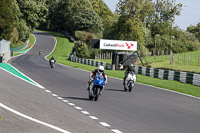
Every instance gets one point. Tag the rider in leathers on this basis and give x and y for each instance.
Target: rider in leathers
(128, 70)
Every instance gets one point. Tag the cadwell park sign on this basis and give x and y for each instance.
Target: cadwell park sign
(118, 45)
(114, 44)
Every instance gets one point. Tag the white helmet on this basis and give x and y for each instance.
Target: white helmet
(100, 68)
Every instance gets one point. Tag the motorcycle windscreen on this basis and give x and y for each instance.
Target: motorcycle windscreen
(99, 80)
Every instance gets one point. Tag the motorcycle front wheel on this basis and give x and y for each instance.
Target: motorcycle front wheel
(130, 86)
(96, 93)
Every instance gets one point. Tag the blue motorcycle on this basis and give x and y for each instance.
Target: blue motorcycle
(96, 87)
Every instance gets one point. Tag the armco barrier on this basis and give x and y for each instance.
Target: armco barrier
(90, 62)
(184, 77)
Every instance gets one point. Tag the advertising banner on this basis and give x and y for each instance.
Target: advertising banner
(118, 45)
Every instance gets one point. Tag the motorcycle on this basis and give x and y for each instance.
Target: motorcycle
(96, 87)
(52, 62)
(130, 81)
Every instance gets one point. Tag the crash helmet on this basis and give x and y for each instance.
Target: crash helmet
(131, 66)
(101, 68)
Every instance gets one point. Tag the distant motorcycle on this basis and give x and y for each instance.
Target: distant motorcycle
(40, 52)
(130, 81)
(96, 87)
(52, 63)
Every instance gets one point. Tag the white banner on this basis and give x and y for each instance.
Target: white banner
(118, 45)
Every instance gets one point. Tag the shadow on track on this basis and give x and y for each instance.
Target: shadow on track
(114, 90)
(77, 98)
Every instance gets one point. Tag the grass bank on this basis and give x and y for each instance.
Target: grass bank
(64, 47)
(31, 42)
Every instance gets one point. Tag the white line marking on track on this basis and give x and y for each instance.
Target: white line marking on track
(60, 98)
(104, 124)
(85, 112)
(116, 131)
(32, 119)
(54, 95)
(79, 108)
(48, 91)
(93, 117)
(65, 101)
(71, 104)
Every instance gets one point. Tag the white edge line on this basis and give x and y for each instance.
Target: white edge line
(85, 112)
(71, 104)
(104, 124)
(60, 98)
(116, 131)
(54, 95)
(93, 117)
(79, 108)
(65, 101)
(33, 119)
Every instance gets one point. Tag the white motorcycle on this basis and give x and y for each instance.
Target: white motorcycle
(130, 81)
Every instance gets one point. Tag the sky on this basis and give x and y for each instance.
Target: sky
(190, 14)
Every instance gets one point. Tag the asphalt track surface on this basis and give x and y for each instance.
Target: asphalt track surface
(145, 110)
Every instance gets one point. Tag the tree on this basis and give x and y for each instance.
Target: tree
(195, 30)
(105, 14)
(132, 14)
(33, 12)
(6, 19)
(160, 22)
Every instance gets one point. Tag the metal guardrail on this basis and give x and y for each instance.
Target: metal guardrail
(184, 77)
(90, 62)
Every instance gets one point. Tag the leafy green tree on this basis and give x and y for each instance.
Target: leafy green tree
(131, 25)
(6, 19)
(160, 22)
(195, 30)
(34, 12)
(106, 15)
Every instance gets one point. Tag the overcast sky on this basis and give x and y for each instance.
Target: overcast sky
(190, 14)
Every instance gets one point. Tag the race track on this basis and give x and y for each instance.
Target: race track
(145, 110)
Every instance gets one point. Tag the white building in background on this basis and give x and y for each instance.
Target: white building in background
(4, 50)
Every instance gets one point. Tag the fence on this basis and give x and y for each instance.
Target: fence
(184, 77)
(90, 62)
(192, 59)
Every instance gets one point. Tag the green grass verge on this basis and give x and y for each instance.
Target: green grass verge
(64, 47)
(0, 118)
(31, 40)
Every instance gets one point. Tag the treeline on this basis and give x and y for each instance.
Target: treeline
(145, 21)
(18, 18)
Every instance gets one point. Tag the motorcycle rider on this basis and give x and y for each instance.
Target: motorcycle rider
(100, 69)
(52, 59)
(128, 70)
(40, 52)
